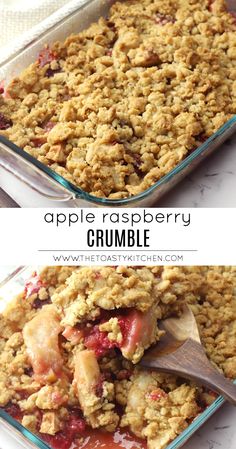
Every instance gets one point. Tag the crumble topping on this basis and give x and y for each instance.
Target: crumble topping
(117, 106)
(58, 378)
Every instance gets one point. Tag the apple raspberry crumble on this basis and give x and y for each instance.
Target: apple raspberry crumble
(114, 108)
(71, 341)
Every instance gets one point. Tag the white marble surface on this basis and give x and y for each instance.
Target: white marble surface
(218, 433)
(212, 184)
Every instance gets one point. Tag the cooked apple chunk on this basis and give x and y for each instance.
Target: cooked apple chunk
(41, 340)
(94, 394)
(132, 333)
(139, 332)
(72, 334)
(158, 408)
(87, 376)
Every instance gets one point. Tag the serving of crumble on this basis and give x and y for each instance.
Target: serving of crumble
(70, 344)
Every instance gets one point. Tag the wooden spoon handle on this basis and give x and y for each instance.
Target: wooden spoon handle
(191, 362)
(217, 382)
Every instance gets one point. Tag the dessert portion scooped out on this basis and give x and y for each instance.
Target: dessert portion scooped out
(71, 343)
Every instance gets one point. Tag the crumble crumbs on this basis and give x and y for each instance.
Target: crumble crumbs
(116, 107)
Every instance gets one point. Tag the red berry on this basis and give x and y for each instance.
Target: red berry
(45, 57)
(38, 141)
(2, 87)
(13, 410)
(76, 424)
(33, 285)
(157, 394)
(48, 126)
(58, 441)
(162, 19)
(51, 72)
(98, 341)
(5, 122)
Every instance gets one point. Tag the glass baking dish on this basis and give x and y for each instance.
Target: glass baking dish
(51, 185)
(12, 285)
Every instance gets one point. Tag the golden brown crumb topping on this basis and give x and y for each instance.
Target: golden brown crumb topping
(70, 343)
(116, 107)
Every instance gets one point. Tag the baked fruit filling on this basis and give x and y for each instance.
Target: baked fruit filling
(71, 342)
(116, 107)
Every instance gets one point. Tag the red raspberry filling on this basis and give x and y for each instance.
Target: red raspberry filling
(121, 438)
(233, 14)
(130, 323)
(213, 393)
(2, 90)
(45, 57)
(48, 125)
(125, 325)
(137, 162)
(157, 394)
(74, 428)
(38, 304)
(33, 285)
(14, 411)
(38, 141)
(99, 386)
(51, 72)
(210, 3)
(162, 19)
(98, 341)
(124, 374)
(97, 275)
(58, 441)
(76, 424)
(5, 122)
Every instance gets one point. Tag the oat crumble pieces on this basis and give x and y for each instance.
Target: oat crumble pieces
(70, 343)
(117, 106)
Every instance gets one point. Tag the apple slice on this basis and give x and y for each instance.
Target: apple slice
(41, 340)
(139, 331)
(95, 400)
(73, 334)
(87, 378)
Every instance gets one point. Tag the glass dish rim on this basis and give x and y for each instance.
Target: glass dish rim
(79, 193)
(76, 191)
(177, 443)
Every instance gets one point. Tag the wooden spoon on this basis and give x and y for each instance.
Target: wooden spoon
(180, 352)
(231, 6)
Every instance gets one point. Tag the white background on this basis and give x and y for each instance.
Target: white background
(211, 233)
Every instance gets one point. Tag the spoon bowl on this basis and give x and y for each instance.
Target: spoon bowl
(180, 352)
